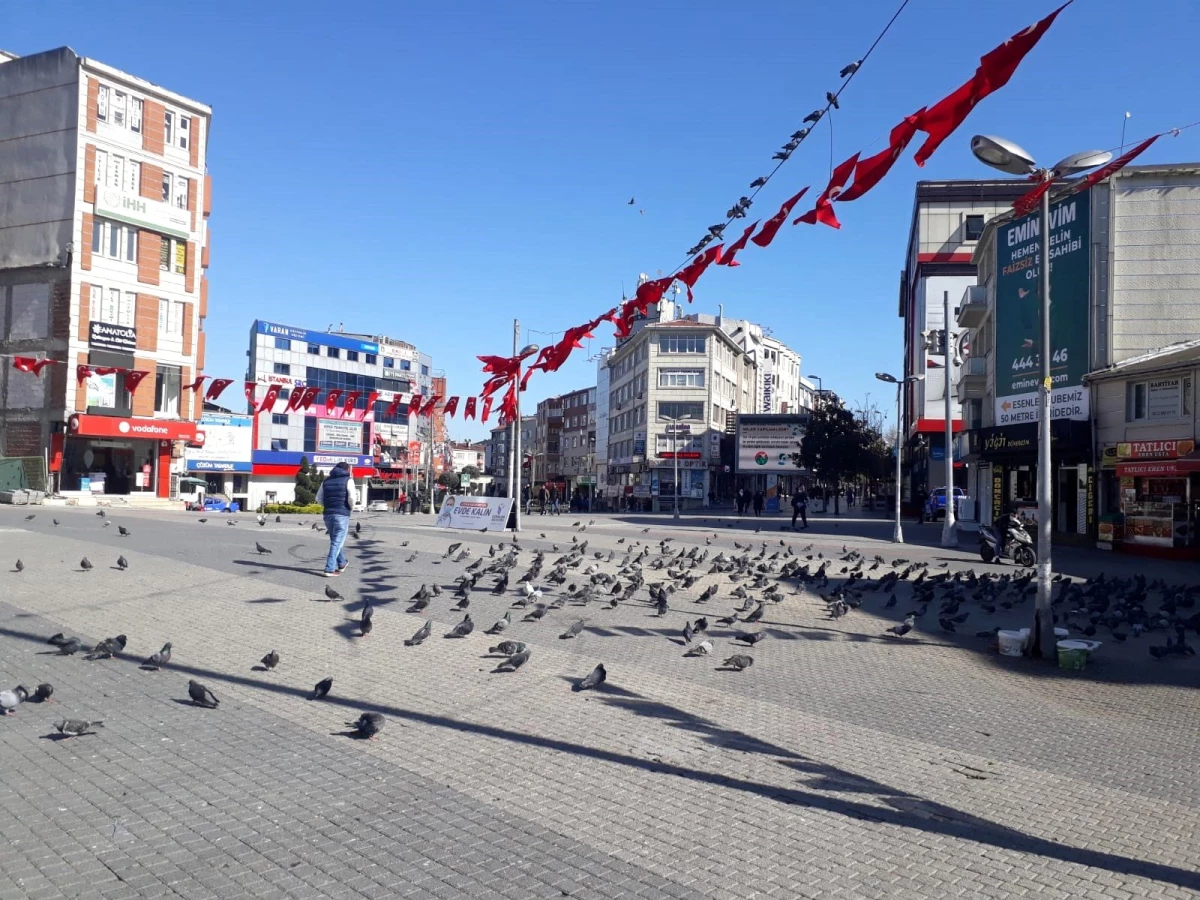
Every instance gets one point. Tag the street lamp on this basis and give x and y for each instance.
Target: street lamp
(525, 353)
(673, 426)
(1009, 157)
(898, 531)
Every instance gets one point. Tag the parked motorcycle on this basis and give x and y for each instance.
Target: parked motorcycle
(1020, 547)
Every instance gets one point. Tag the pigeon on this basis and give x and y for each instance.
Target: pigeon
(261, 549)
(515, 661)
(322, 689)
(57, 639)
(20, 566)
(701, 626)
(701, 649)
(123, 531)
(331, 594)
(202, 521)
(159, 659)
(423, 632)
(832, 99)
(453, 548)
(507, 648)
(122, 563)
(101, 513)
(85, 564)
(850, 69)
(364, 623)
(573, 631)
(594, 678)
(662, 604)
(748, 637)
(280, 519)
(43, 693)
(535, 614)
(271, 660)
(739, 661)
(501, 625)
(368, 725)
(904, 627)
(10, 700)
(70, 647)
(75, 727)
(463, 628)
(31, 517)
(108, 647)
(55, 521)
(202, 696)
(687, 632)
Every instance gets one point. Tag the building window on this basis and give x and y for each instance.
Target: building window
(181, 192)
(283, 369)
(972, 228)
(332, 353)
(279, 418)
(405, 365)
(314, 349)
(1161, 399)
(352, 356)
(169, 128)
(681, 378)
(282, 344)
(185, 131)
(166, 390)
(389, 363)
(681, 343)
(170, 318)
(172, 255)
(278, 443)
(424, 370)
(112, 306)
(677, 410)
(372, 359)
(119, 108)
(135, 115)
(284, 393)
(166, 187)
(102, 103)
(114, 240)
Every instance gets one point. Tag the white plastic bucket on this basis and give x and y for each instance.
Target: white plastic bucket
(1073, 654)
(1012, 643)
(1059, 634)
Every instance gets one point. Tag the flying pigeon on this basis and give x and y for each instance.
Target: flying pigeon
(594, 678)
(422, 633)
(159, 659)
(74, 727)
(322, 689)
(271, 660)
(202, 696)
(368, 725)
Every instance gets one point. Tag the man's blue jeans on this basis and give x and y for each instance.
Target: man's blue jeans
(338, 527)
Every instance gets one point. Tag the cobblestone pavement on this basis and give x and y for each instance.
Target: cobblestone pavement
(843, 763)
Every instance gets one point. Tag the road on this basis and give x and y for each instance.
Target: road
(843, 761)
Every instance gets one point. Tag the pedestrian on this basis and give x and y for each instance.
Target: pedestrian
(555, 508)
(740, 500)
(758, 503)
(797, 501)
(712, 497)
(336, 495)
(849, 497)
(543, 499)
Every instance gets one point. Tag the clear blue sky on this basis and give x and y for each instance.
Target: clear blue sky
(430, 171)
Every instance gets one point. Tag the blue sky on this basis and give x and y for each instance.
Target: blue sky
(433, 171)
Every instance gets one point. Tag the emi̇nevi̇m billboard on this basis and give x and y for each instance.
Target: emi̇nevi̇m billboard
(1018, 313)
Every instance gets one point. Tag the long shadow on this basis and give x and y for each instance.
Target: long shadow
(923, 815)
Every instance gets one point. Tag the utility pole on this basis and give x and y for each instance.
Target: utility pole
(949, 529)
(513, 427)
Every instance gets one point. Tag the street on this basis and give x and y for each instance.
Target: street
(843, 760)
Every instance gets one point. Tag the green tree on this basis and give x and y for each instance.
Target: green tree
(839, 446)
(308, 482)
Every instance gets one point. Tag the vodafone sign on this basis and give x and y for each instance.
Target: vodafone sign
(156, 429)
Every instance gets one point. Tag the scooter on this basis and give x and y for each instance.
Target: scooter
(1020, 546)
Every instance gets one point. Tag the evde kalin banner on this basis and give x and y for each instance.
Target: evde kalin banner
(474, 513)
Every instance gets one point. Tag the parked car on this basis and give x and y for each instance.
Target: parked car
(378, 506)
(935, 506)
(217, 503)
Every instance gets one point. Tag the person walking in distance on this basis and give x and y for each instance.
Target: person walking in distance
(799, 508)
(758, 503)
(336, 495)
(543, 498)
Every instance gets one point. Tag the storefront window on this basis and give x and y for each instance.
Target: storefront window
(166, 390)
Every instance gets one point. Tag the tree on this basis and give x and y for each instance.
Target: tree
(308, 482)
(838, 445)
(471, 472)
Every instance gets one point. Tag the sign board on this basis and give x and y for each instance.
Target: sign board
(228, 444)
(768, 386)
(103, 336)
(134, 209)
(765, 443)
(475, 513)
(1164, 398)
(102, 391)
(322, 338)
(127, 427)
(339, 436)
(679, 428)
(1018, 313)
(1155, 449)
(293, 457)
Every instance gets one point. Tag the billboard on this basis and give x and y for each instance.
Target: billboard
(1018, 313)
(339, 436)
(227, 444)
(323, 338)
(765, 443)
(474, 513)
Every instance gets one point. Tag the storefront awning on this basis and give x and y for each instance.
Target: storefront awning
(1160, 468)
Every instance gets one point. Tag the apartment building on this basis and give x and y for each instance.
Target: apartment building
(499, 444)
(578, 442)
(546, 450)
(780, 388)
(104, 245)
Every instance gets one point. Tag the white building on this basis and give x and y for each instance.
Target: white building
(604, 492)
(779, 388)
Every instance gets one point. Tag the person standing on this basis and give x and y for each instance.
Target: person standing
(799, 508)
(543, 498)
(758, 503)
(336, 495)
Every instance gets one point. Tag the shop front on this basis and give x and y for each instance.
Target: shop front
(223, 463)
(273, 473)
(122, 455)
(1159, 496)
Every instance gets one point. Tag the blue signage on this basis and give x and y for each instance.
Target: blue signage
(324, 338)
(292, 458)
(230, 419)
(217, 465)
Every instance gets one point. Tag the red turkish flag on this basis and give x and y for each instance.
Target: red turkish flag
(369, 409)
(393, 408)
(414, 405)
(508, 405)
(995, 69)
(217, 388)
(83, 373)
(430, 405)
(487, 409)
(773, 224)
(310, 397)
(248, 389)
(195, 385)
(500, 365)
(691, 273)
(727, 258)
(332, 399)
(649, 293)
(1027, 202)
(870, 171)
(469, 410)
(823, 211)
(451, 406)
(133, 378)
(1115, 166)
(268, 401)
(30, 364)
(349, 404)
(295, 398)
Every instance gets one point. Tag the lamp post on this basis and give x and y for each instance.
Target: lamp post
(527, 352)
(1009, 157)
(949, 530)
(898, 530)
(673, 424)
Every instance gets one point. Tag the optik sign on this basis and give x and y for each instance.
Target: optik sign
(1018, 313)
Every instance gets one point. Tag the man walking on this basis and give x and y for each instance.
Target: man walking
(799, 508)
(337, 495)
(757, 502)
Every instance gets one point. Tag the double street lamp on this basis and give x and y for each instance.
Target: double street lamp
(897, 530)
(673, 427)
(1010, 158)
(514, 442)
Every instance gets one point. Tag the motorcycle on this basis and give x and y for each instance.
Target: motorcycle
(1019, 549)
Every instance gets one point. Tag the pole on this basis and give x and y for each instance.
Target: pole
(675, 453)
(949, 529)
(898, 531)
(429, 469)
(516, 499)
(513, 427)
(1043, 625)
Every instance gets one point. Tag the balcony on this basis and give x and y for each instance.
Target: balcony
(972, 379)
(973, 308)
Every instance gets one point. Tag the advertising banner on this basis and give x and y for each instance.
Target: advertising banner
(343, 437)
(227, 444)
(103, 336)
(1018, 313)
(766, 443)
(474, 513)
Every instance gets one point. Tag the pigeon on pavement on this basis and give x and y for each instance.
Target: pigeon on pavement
(261, 549)
(70, 646)
(364, 623)
(20, 566)
(43, 693)
(749, 637)
(331, 594)
(368, 725)
(501, 625)
(271, 660)
(321, 689)
(123, 531)
(85, 564)
(422, 633)
(701, 649)
(507, 648)
(70, 728)
(108, 647)
(515, 661)
(202, 696)
(594, 678)
(122, 563)
(739, 661)
(10, 700)
(463, 628)
(159, 659)
(574, 631)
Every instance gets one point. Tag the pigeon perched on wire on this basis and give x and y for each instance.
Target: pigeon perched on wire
(367, 725)
(850, 69)
(202, 696)
(321, 689)
(159, 659)
(70, 728)
(592, 679)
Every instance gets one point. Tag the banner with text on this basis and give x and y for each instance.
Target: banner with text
(475, 513)
(1018, 313)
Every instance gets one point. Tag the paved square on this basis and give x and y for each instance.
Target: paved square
(842, 763)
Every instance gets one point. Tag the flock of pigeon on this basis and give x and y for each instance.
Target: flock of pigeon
(656, 574)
